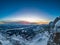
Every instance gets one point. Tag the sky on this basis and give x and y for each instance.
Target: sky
(29, 10)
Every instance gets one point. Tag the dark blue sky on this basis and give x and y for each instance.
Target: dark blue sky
(49, 7)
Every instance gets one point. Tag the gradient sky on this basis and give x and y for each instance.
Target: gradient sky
(45, 10)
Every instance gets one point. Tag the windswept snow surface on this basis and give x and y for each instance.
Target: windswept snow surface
(39, 39)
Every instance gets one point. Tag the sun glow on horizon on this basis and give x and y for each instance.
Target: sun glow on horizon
(27, 17)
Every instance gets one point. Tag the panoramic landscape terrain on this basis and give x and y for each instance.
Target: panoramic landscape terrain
(29, 22)
(28, 33)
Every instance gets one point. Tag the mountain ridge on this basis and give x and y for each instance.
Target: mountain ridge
(24, 22)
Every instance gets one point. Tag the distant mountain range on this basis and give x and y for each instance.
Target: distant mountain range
(22, 22)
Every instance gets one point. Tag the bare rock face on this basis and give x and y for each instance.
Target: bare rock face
(57, 38)
(0, 43)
